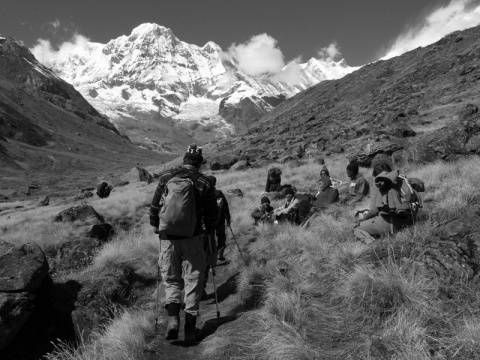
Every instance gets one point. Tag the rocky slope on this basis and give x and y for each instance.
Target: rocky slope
(420, 106)
(48, 130)
(163, 92)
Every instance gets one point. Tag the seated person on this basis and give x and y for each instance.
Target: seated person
(326, 195)
(388, 210)
(274, 180)
(264, 213)
(325, 172)
(289, 210)
(358, 186)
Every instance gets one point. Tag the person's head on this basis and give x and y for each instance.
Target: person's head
(324, 172)
(213, 180)
(382, 181)
(324, 183)
(193, 156)
(289, 194)
(352, 170)
(265, 202)
(381, 162)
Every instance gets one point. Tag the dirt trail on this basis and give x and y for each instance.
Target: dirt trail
(159, 348)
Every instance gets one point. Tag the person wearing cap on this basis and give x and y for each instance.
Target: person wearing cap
(358, 186)
(224, 216)
(289, 209)
(183, 259)
(263, 214)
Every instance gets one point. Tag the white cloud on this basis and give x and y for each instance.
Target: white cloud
(457, 15)
(330, 52)
(290, 74)
(258, 56)
(76, 46)
(52, 26)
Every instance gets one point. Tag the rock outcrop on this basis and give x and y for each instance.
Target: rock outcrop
(81, 213)
(22, 270)
(138, 174)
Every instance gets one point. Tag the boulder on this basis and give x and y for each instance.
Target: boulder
(103, 190)
(234, 193)
(82, 212)
(84, 194)
(240, 165)
(101, 231)
(22, 270)
(371, 149)
(138, 174)
(222, 162)
(44, 201)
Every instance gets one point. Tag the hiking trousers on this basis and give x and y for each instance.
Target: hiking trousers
(382, 224)
(221, 235)
(182, 264)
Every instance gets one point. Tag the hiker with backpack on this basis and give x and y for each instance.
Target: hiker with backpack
(224, 216)
(274, 180)
(358, 186)
(263, 214)
(289, 210)
(395, 201)
(184, 203)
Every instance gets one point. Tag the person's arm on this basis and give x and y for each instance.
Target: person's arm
(294, 205)
(155, 205)
(336, 196)
(210, 208)
(226, 209)
(267, 185)
(362, 188)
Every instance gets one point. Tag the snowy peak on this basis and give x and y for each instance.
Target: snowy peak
(151, 74)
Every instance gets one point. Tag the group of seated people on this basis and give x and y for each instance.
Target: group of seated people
(394, 199)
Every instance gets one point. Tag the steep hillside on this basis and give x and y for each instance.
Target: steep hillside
(420, 106)
(48, 130)
(163, 92)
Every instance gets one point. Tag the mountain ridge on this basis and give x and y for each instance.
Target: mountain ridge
(150, 78)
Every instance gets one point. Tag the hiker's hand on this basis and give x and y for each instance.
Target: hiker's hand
(156, 231)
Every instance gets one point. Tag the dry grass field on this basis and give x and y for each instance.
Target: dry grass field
(320, 294)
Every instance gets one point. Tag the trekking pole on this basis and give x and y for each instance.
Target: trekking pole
(213, 277)
(158, 281)
(236, 242)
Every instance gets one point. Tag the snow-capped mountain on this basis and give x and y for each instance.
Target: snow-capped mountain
(163, 92)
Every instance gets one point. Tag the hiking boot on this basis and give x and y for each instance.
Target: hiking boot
(192, 333)
(173, 310)
(172, 328)
(220, 254)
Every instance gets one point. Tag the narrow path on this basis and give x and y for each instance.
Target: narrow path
(225, 281)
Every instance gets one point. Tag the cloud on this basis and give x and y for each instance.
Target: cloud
(258, 56)
(45, 53)
(290, 74)
(330, 52)
(457, 15)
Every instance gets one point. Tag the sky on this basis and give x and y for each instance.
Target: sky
(268, 33)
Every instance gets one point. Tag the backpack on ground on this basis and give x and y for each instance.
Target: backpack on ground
(274, 175)
(178, 215)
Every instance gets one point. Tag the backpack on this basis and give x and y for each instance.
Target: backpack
(409, 195)
(274, 175)
(178, 215)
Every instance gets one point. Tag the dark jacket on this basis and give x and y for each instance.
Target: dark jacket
(327, 195)
(224, 211)
(205, 202)
(358, 188)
